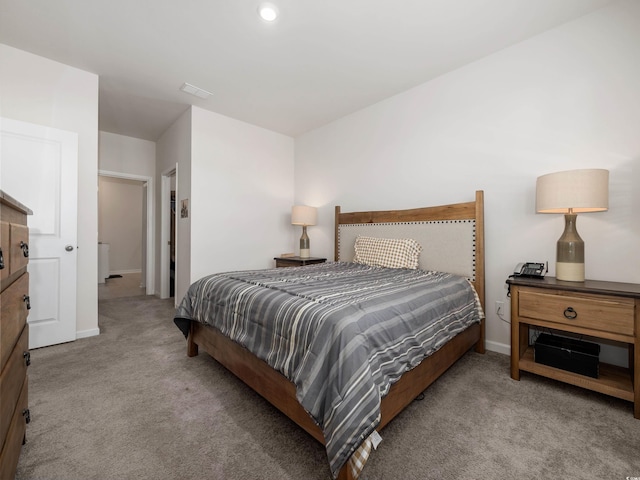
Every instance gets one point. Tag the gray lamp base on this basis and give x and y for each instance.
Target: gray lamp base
(304, 243)
(570, 252)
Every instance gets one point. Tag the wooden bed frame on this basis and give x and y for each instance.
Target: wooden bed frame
(280, 392)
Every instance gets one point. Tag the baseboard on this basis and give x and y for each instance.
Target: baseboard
(124, 272)
(87, 333)
(498, 347)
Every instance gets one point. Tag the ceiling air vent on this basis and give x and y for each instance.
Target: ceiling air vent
(193, 90)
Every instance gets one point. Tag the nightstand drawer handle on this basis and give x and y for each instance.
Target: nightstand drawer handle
(570, 313)
(25, 249)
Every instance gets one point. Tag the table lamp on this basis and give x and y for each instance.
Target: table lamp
(572, 192)
(305, 216)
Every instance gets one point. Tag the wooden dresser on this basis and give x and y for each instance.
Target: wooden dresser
(14, 331)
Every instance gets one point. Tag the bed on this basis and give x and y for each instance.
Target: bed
(350, 413)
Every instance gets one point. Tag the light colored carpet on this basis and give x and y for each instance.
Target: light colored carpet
(129, 404)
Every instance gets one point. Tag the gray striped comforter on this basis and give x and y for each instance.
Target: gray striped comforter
(343, 333)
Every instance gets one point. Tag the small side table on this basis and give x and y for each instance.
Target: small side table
(599, 309)
(297, 261)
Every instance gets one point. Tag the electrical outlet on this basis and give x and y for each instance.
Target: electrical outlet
(499, 307)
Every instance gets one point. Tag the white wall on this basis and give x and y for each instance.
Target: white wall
(566, 99)
(38, 90)
(127, 155)
(241, 194)
(120, 222)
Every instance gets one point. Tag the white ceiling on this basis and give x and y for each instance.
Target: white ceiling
(319, 61)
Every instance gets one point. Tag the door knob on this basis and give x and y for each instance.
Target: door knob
(69, 248)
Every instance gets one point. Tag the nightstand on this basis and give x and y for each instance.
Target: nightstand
(297, 261)
(604, 310)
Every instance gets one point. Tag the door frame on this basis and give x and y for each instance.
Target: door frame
(150, 257)
(165, 225)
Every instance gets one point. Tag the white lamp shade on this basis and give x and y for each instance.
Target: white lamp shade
(579, 190)
(303, 215)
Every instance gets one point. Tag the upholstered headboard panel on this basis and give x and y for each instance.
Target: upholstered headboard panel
(451, 236)
(447, 245)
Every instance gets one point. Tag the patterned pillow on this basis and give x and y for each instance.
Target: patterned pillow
(387, 252)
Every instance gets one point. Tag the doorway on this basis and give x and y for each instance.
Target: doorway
(141, 248)
(172, 241)
(168, 232)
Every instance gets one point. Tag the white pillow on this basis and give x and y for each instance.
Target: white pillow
(387, 252)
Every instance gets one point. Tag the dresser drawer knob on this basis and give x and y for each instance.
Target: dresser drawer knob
(25, 248)
(27, 300)
(27, 415)
(1, 260)
(570, 313)
(27, 358)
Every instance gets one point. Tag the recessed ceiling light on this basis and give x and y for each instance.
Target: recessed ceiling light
(268, 12)
(193, 90)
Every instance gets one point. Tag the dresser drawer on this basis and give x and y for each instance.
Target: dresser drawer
(19, 236)
(605, 313)
(4, 248)
(13, 443)
(12, 379)
(13, 312)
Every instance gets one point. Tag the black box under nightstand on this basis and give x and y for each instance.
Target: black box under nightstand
(576, 356)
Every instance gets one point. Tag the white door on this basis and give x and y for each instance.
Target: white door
(38, 167)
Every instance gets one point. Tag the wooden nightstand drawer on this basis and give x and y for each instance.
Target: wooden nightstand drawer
(609, 314)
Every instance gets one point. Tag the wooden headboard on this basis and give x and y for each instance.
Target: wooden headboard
(451, 236)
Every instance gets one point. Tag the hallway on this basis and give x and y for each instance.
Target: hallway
(128, 285)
